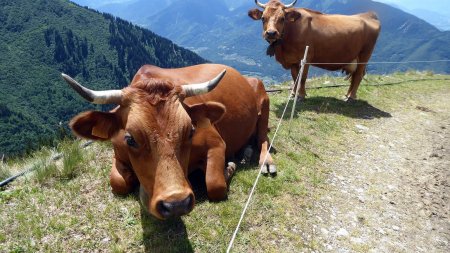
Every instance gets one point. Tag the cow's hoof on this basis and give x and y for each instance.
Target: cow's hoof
(248, 153)
(264, 170)
(349, 100)
(229, 171)
(300, 98)
(269, 169)
(272, 170)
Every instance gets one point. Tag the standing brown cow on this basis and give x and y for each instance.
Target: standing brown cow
(165, 127)
(331, 39)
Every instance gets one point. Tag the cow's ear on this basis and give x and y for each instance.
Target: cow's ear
(255, 14)
(293, 15)
(95, 125)
(211, 110)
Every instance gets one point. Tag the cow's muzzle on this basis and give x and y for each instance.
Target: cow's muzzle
(271, 36)
(170, 209)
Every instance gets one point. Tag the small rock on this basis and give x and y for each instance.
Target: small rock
(324, 231)
(356, 240)
(361, 199)
(342, 233)
(361, 127)
(395, 228)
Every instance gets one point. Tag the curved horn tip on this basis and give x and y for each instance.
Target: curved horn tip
(222, 74)
(92, 96)
(65, 77)
(201, 88)
(291, 4)
(260, 4)
(69, 80)
(216, 80)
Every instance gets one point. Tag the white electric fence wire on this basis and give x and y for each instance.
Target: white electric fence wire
(369, 63)
(257, 178)
(299, 76)
(230, 245)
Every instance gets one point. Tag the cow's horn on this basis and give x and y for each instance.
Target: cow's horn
(96, 97)
(291, 4)
(201, 88)
(260, 4)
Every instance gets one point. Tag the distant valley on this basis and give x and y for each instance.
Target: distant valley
(220, 31)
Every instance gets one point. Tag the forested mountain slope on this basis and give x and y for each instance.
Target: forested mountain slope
(40, 39)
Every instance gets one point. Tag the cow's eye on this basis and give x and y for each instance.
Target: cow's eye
(192, 132)
(130, 141)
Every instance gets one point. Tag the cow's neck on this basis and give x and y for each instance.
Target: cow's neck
(279, 51)
(289, 53)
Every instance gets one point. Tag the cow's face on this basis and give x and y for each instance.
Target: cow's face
(274, 18)
(152, 129)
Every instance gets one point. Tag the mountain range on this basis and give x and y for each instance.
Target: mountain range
(40, 39)
(221, 32)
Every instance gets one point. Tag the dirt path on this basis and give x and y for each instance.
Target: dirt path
(389, 190)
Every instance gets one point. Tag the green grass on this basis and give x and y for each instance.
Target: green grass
(68, 206)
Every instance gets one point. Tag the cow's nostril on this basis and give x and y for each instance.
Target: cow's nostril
(189, 202)
(164, 208)
(271, 33)
(168, 209)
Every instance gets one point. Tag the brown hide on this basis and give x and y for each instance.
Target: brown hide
(331, 39)
(159, 136)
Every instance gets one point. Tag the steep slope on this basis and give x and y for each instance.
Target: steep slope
(41, 39)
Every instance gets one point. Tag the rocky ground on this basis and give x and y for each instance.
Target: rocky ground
(389, 186)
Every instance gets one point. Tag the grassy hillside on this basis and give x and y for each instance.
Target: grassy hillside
(41, 39)
(68, 205)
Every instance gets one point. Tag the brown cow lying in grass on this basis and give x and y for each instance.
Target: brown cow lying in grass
(164, 127)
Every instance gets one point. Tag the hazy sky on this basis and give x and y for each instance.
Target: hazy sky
(440, 6)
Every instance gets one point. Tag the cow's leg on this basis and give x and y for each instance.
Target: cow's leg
(265, 159)
(356, 79)
(248, 153)
(350, 88)
(360, 71)
(122, 179)
(350, 69)
(216, 183)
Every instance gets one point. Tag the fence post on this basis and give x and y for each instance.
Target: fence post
(299, 77)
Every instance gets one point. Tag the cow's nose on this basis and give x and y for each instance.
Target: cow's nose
(271, 33)
(169, 209)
